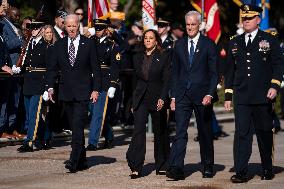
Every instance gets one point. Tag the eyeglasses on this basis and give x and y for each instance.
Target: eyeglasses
(79, 14)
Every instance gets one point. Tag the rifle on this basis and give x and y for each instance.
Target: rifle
(26, 43)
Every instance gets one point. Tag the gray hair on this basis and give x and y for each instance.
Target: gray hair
(72, 17)
(194, 13)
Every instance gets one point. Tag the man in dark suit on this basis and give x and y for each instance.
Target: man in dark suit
(194, 82)
(253, 77)
(59, 26)
(80, 81)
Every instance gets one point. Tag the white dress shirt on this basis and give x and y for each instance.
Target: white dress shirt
(76, 43)
(102, 39)
(36, 41)
(163, 38)
(59, 31)
(253, 34)
(195, 40)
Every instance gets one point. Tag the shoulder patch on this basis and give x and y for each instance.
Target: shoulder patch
(232, 37)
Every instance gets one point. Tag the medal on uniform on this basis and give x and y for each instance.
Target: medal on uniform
(264, 46)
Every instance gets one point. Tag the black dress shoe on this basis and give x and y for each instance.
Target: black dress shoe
(207, 171)
(71, 167)
(160, 172)
(108, 144)
(66, 161)
(82, 166)
(175, 174)
(25, 148)
(267, 175)
(239, 178)
(135, 175)
(91, 147)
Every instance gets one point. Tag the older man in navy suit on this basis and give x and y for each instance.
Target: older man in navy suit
(194, 81)
(80, 82)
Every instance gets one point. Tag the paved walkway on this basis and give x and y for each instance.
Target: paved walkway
(109, 170)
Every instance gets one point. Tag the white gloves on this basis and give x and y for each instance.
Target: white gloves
(16, 70)
(111, 92)
(45, 96)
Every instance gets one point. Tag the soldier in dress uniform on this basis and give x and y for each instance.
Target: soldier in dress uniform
(252, 79)
(164, 32)
(109, 59)
(34, 84)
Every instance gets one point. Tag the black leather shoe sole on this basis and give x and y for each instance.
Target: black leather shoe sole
(70, 167)
(207, 175)
(135, 175)
(160, 172)
(174, 176)
(267, 176)
(239, 178)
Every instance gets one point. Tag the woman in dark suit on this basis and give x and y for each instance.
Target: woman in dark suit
(152, 72)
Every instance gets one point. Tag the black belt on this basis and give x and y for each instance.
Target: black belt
(35, 69)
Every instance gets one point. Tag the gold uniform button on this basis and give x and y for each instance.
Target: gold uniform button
(248, 54)
(249, 75)
(248, 68)
(248, 60)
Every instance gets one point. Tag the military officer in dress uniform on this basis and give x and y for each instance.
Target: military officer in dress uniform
(252, 79)
(164, 32)
(109, 59)
(34, 84)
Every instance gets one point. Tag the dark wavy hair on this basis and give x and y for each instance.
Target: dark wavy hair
(158, 39)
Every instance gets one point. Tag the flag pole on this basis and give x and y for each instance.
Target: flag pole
(202, 10)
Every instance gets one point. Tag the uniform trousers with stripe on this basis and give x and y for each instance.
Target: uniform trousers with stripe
(33, 107)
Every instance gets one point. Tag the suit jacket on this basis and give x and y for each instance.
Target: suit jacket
(34, 81)
(76, 82)
(13, 42)
(252, 71)
(157, 84)
(200, 77)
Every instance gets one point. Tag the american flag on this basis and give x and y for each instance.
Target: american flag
(97, 9)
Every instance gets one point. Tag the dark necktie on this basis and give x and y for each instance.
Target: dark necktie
(34, 44)
(249, 41)
(191, 52)
(62, 34)
(71, 52)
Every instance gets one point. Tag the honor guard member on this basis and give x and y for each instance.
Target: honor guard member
(164, 32)
(109, 59)
(34, 83)
(252, 79)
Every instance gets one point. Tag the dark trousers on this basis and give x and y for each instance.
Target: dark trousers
(9, 101)
(203, 115)
(77, 112)
(136, 152)
(250, 119)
